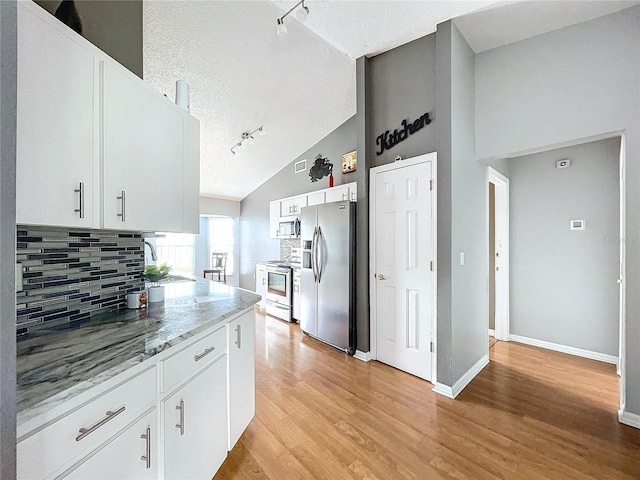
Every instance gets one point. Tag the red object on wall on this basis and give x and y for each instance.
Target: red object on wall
(331, 179)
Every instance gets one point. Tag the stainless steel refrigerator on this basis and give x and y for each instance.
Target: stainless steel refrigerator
(327, 281)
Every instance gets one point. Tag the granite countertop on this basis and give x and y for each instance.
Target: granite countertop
(57, 363)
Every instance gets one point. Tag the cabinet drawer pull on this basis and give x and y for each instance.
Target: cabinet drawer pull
(206, 352)
(238, 336)
(80, 192)
(147, 456)
(123, 209)
(109, 416)
(181, 424)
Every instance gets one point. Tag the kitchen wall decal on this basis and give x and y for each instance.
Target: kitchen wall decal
(349, 162)
(321, 168)
(388, 140)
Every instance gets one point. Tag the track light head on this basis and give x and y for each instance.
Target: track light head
(282, 28)
(302, 13)
(261, 132)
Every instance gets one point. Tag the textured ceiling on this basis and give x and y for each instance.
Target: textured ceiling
(301, 86)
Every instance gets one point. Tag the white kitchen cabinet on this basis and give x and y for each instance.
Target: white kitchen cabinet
(191, 176)
(261, 284)
(241, 375)
(78, 433)
(130, 454)
(141, 155)
(195, 425)
(274, 218)
(293, 205)
(315, 198)
(57, 121)
(341, 193)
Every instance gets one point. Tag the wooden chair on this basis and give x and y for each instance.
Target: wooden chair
(218, 266)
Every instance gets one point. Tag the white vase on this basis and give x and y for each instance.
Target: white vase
(156, 294)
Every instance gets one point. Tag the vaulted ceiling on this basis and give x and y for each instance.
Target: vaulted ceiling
(301, 86)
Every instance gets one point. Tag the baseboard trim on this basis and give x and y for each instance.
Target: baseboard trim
(453, 392)
(492, 332)
(443, 389)
(602, 357)
(630, 419)
(364, 356)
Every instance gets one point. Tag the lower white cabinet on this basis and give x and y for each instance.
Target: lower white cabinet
(174, 416)
(242, 396)
(195, 416)
(261, 284)
(131, 454)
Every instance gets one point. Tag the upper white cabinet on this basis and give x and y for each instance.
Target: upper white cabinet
(341, 193)
(56, 127)
(292, 206)
(316, 198)
(96, 146)
(142, 156)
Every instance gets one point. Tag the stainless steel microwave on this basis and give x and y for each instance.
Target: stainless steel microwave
(289, 228)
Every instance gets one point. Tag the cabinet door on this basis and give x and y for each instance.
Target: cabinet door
(299, 203)
(191, 176)
(195, 425)
(315, 198)
(141, 156)
(131, 454)
(274, 218)
(56, 127)
(287, 207)
(261, 284)
(337, 194)
(242, 396)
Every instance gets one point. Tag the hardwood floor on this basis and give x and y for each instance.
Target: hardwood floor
(530, 414)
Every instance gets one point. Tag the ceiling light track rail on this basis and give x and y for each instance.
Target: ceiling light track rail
(247, 137)
(301, 15)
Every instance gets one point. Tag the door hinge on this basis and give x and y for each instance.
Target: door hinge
(431, 347)
(431, 265)
(430, 184)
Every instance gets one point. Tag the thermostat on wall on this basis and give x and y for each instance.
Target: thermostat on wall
(576, 225)
(564, 163)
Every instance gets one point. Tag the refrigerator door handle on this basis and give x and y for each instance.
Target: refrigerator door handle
(319, 253)
(313, 254)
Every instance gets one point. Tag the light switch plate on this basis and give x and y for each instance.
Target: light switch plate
(18, 277)
(461, 258)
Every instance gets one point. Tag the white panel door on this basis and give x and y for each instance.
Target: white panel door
(404, 280)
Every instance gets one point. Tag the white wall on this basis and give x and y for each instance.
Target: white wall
(219, 206)
(563, 283)
(575, 83)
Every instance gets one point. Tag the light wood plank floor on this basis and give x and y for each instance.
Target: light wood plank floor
(530, 414)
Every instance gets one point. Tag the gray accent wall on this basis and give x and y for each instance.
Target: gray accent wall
(114, 26)
(403, 87)
(8, 73)
(255, 244)
(462, 289)
(570, 85)
(563, 283)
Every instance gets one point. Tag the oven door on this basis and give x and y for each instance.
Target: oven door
(279, 286)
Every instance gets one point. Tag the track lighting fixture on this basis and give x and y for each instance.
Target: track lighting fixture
(248, 138)
(300, 14)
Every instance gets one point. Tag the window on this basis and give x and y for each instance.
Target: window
(176, 250)
(221, 239)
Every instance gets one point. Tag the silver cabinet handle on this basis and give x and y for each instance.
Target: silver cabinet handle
(264, 281)
(122, 211)
(345, 196)
(147, 456)
(238, 336)
(80, 192)
(109, 416)
(181, 424)
(206, 352)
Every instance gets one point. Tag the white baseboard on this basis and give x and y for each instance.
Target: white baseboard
(492, 332)
(602, 357)
(443, 389)
(364, 356)
(453, 392)
(630, 419)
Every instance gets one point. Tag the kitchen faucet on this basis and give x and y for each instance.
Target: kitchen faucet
(154, 257)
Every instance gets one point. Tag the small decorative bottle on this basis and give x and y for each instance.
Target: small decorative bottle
(331, 179)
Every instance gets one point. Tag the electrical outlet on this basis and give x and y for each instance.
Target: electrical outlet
(461, 258)
(18, 277)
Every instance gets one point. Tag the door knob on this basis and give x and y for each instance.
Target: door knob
(381, 277)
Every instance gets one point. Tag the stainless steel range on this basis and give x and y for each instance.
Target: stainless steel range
(279, 290)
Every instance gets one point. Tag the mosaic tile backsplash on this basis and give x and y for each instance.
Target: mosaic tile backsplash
(285, 247)
(68, 275)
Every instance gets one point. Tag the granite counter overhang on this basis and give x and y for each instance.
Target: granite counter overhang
(56, 364)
